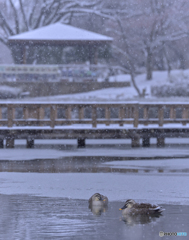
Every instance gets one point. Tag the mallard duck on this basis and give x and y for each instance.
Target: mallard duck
(131, 207)
(98, 199)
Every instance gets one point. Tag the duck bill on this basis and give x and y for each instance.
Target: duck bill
(123, 207)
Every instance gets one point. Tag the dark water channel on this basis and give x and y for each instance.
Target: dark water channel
(33, 217)
(81, 164)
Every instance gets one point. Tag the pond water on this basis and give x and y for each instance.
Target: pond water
(46, 198)
(33, 217)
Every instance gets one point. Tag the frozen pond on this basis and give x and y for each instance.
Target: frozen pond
(44, 193)
(31, 217)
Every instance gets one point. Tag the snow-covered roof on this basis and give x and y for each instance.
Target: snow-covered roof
(60, 32)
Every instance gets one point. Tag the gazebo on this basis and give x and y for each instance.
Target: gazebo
(60, 35)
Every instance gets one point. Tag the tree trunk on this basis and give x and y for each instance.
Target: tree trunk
(182, 61)
(168, 65)
(149, 64)
(134, 84)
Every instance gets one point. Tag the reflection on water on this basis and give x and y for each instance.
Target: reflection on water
(30, 217)
(140, 219)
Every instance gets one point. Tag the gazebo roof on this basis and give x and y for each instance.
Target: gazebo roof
(60, 33)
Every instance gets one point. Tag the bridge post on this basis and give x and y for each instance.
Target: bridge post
(135, 140)
(107, 115)
(41, 114)
(26, 112)
(121, 115)
(94, 116)
(69, 114)
(160, 142)
(184, 115)
(30, 143)
(146, 142)
(53, 115)
(81, 142)
(161, 116)
(136, 115)
(145, 113)
(10, 142)
(81, 112)
(10, 115)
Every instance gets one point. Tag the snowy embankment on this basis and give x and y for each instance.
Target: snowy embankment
(9, 92)
(127, 93)
(160, 78)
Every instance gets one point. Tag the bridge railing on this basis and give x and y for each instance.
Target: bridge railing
(57, 114)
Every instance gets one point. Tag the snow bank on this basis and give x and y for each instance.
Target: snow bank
(9, 92)
(160, 78)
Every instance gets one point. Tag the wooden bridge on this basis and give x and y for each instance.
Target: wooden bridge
(93, 121)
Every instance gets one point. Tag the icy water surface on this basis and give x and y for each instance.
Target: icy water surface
(33, 190)
(32, 217)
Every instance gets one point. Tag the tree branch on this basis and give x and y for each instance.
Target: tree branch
(16, 16)
(5, 24)
(45, 22)
(32, 13)
(23, 14)
(3, 41)
(131, 69)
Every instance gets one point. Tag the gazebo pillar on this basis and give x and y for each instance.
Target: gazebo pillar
(93, 54)
(23, 54)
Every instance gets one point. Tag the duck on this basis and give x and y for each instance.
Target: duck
(98, 199)
(131, 207)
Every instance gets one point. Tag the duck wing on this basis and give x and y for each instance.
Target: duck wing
(104, 199)
(149, 208)
(144, 205)
(90, 200)
(157, 209)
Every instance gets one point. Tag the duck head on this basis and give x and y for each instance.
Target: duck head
(97, 197)
(128, 204)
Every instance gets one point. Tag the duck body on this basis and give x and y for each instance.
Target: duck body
(132, 208)
(98, 199)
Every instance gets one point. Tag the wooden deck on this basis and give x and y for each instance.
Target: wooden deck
(88, 120)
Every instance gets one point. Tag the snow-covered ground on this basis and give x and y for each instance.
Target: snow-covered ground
(124, 93)
(127, 93)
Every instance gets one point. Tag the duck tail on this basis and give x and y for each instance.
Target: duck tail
(158, 209)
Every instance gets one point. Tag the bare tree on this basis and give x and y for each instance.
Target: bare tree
(17, 16)
(142, 28)
(160, 22)
(124, 52)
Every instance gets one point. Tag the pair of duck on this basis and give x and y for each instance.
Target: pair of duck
(130, 206)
